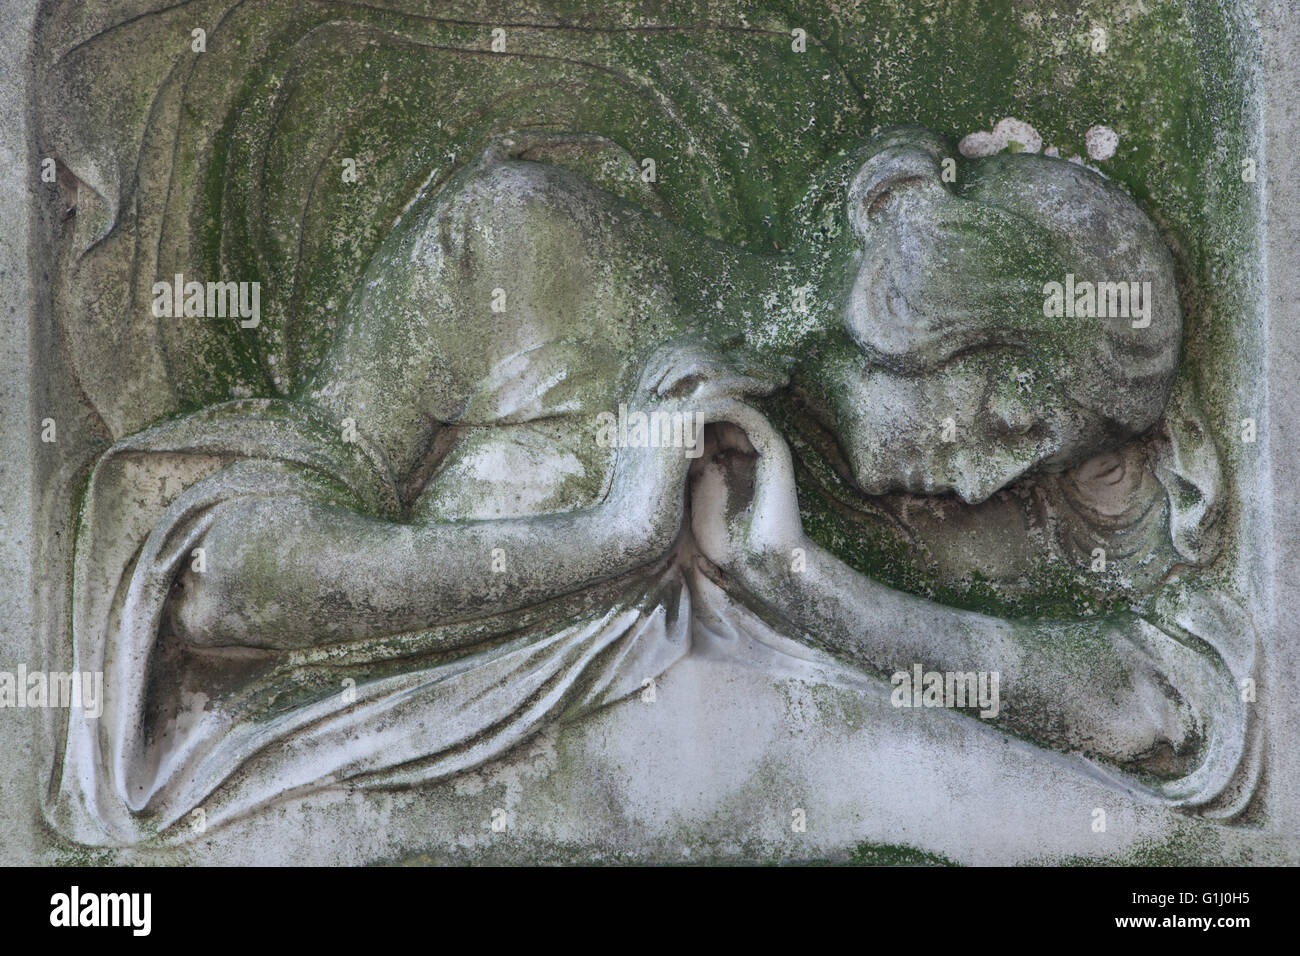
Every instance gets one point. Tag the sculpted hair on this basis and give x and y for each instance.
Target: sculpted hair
(972, 255)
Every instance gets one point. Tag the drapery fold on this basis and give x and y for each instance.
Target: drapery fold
(227, 730)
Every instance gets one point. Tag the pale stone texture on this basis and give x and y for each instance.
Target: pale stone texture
(1275, 557)
(20, 837)
(736, 739)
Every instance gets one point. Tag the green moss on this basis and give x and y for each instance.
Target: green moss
(891, 854)
(737, 122)
(84, 856)
(1185, 846)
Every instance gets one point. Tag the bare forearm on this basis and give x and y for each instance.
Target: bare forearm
(855, 617)
(285, 573)
(1082, 685)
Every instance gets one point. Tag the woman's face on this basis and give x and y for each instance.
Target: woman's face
(942, 375)
(971, 426)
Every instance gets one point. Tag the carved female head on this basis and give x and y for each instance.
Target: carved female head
(1002, 315)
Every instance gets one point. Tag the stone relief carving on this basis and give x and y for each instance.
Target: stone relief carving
(407, 513)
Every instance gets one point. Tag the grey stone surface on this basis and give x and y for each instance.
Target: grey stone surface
(19, 387)
(753, 725)
(1278, 520)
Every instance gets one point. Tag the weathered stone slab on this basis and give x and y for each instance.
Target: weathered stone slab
(433, 438)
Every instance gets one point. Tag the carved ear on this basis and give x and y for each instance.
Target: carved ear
(907, 158)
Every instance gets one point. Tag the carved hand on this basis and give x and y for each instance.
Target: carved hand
(688, 387)
(745, 511)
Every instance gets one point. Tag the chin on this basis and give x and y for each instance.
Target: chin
(870, 482)
(975, 496)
